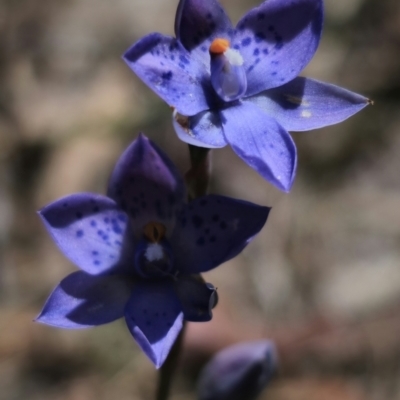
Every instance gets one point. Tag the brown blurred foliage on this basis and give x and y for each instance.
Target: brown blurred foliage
(323, 277)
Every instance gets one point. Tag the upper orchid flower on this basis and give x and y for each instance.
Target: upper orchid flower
(141, 250)
(239, 86)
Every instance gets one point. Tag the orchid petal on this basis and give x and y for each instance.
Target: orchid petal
(82, 301)
(277, 40)
(198, 23)
(154, 317)
(202, 130)
(89, 229)
(164, 65)
(305, 104)
(213, 229)
(262, 143)
(147, 185)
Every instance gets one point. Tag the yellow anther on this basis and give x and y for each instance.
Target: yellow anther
(219, 46)
(154, 232)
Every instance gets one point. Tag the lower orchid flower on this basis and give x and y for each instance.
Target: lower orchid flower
(141, 249)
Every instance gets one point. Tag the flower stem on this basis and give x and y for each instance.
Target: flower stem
(168, 369)
(198, 177)
(197, 180)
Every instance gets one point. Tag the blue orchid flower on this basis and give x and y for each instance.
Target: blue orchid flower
(240, 86)
(141, 249)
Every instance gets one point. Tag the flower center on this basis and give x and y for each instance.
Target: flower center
(219, 46)
(153, 255)
(228, 76)
(154, 232)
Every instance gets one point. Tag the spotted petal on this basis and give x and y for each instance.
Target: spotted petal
(146, 184)
(213, 229)
(305, 104)
(202, 130)
(154, 318)
(198, 23)
(88, 228)
(82, 301)
(262, 143)
(277, 40)
(168, 69)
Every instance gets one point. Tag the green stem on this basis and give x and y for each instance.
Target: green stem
(168, 369)
(197, 180)
(198, 177)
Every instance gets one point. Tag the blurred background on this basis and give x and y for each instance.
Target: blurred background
(323, 277)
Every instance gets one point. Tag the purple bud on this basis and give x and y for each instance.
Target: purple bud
(238, 372)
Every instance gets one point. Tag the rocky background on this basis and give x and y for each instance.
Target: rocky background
(323, 277)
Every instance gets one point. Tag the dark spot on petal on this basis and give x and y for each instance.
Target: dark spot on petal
(260, 36)
(79, 233)
(107, 220)
(95, 253)
(197, 221)
(246, 41)
(93, 223)
(96, 262)
(65, 205)
(183, 59)
(167, 75)
(265, 51)
(256, 52)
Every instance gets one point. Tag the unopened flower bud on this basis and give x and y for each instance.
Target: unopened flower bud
(238, 372)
